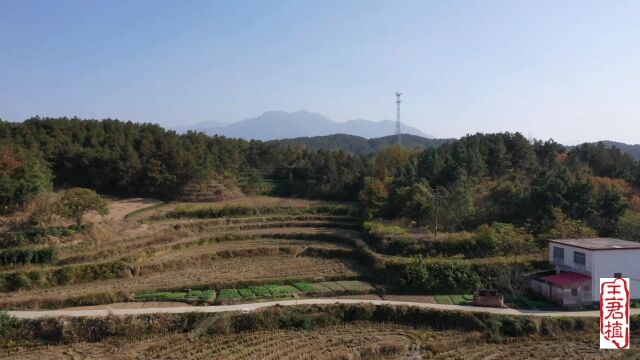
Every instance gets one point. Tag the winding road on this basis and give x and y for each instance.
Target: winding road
(78, 312)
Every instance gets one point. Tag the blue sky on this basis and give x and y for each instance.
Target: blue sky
(567, 70)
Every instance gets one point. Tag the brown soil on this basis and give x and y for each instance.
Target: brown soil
(361, 297)
(411, 298)
(131, 305)
(121, 207)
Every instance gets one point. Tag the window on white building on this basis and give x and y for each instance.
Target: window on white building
(579, 259)
(558, 254)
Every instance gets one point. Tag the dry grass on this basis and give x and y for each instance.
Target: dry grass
(357, 341)
(175, 253)
(218, 271)
(105, 248)
(252, 201)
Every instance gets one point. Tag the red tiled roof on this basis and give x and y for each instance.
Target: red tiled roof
(566, 278)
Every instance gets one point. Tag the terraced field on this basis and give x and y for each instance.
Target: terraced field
(295, 240)
(216, 273)
(355, 341)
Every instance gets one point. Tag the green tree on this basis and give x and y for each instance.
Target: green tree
(75, 203)
(629, 225)
(564, 227)
(22, 175)
(374, 196)
(610, 208)
(420, 203)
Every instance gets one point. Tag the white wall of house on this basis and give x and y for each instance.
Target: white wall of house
(601, 264)
(623, 261)
(568, 264)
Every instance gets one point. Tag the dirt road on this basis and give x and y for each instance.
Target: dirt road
(78, 312)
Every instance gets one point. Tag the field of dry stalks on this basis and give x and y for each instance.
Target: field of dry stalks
(359, 341)
(137, 248)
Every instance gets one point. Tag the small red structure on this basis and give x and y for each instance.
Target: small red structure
(567, 288)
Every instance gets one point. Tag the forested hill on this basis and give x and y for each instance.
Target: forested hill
(477, 179)
(133, 159)
(359, 145)
(633, 150)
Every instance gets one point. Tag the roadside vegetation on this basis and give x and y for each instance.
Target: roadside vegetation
(308, 332)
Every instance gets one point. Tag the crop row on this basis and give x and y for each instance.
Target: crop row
(263, 291)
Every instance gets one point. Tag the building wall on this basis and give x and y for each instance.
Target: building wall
(602, 264)
(568, 264)
(609, 262)
(563, 296)
(541, 288)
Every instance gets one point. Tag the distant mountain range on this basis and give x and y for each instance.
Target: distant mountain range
(319, 132)
(274, 125)
(359, 145)
(633, 150)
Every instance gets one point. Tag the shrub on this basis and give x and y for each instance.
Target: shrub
(446, 276)
(281, 290)
(246, 293)
(228, 294)
(201, 294)
(36, 235)
(17, 280)
(27, 256)
(629, 225)
(163, 295)
(305, 287)
(260, 291)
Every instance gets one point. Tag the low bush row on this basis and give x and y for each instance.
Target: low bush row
(455, 276)
(487, 240)
(36, 235)
(24, 256)
(63, 275)
(497, 328)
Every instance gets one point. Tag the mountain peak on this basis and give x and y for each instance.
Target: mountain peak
(277, 124)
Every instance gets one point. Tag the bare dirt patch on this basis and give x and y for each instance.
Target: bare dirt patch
(361, 297)
(119, 208)
(411, 298)
(131, 305)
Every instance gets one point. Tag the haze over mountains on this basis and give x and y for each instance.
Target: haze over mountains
(319, 132)
(273, 125)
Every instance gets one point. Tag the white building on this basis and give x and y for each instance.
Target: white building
(580, 263)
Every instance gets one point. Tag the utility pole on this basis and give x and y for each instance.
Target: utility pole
(437, 197)
(398, 101)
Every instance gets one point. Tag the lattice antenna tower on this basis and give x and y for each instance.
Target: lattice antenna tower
(398, 134)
